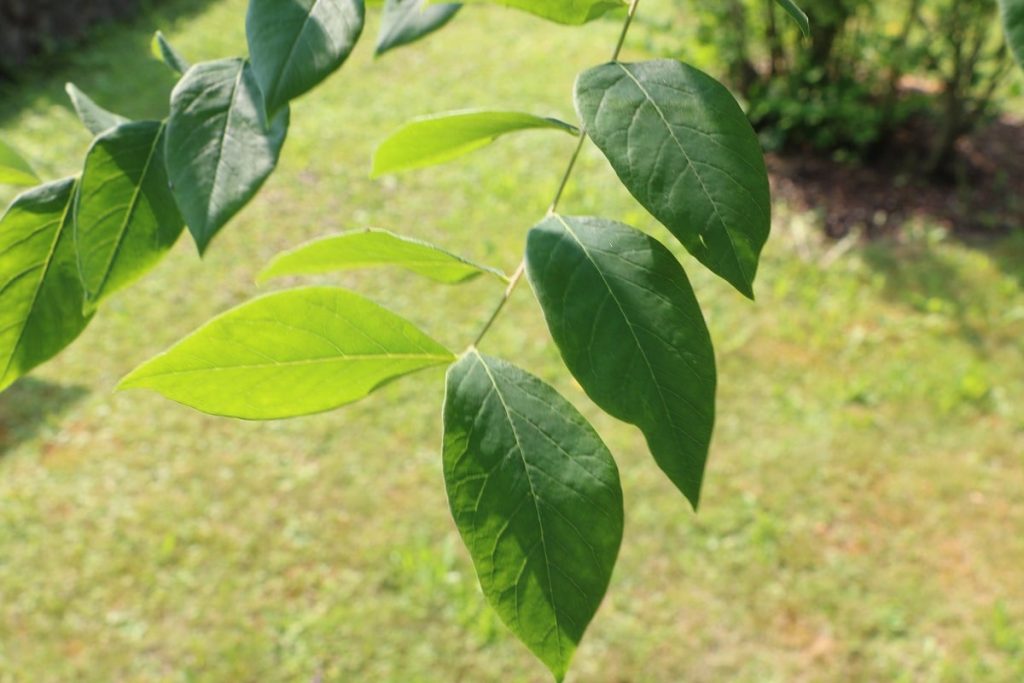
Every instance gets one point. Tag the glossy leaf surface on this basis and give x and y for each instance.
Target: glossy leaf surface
(433, 140)
(536, 497)
(682, 146)
(40, 294)
(219, 147)
(1013, 23)
(295, 44)
(14, 170)
(125, 215)
(95, 118)
(373, 248)
(165, 52)
(560, 11)
(289, 353)
(406, 21)
(799, 16)
(629, 328)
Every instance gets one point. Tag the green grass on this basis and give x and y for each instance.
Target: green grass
(863, 509)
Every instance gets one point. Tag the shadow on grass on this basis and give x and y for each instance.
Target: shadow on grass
(28, 405)
(113, 65)
(924, 279)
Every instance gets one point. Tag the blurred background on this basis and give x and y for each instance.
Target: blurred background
(863, 515)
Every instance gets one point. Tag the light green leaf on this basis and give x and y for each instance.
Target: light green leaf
(166, 53)
(369, 249)
(40, 294)
(433, 140)
(95, 118)
(219, 148)
(536, 497)
(125, 216)
(295, 45)
(629, 327)
(290, 353)
(14, 170)
(799, 16)
(406, 21)
(560, 11)
(682, 146)
(1013, 23)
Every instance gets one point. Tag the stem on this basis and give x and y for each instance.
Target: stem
(521, 268)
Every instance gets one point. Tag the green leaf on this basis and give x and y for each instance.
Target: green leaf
(95, 118)
(433, 140)
(1013, 23)
(219, 148)
(406, 21)
(125, 216)
(14, 170)
(799, 16)
(166, 53)
(296, 352)
(682, 146)
(629, 328)
(536, 497)
(40, 294)
(371, 248)
(560, 11)
(295, 45)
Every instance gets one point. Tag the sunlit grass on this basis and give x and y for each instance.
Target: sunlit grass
(863, 511)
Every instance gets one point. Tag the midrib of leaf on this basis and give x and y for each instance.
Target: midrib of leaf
(224, 133)
(622, 310)
(131, 206)
(291, 50)
(42, 279)
(346, 358)
(693, 167)
(535, 499)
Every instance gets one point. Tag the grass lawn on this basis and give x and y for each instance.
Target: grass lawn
(863, 516)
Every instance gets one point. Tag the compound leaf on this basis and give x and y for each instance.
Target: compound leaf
(125, 215)
(95, 118)
(560, 11)
(40, 293)
(165, 52)
(289, 353)
(14, 170)
(682, 146)
(296, 44)
(1013, 23)
(406, 21)
(372, 248)
(433, 140)
(798, 15)
(629, 328)
(219, 146)
(536, 497)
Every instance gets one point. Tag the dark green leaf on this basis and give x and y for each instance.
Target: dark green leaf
(799, 16)
(219, 147)
(629, 327)
(682, 146)
(406, 21)
(166, 53)
(1013, 23)
(125, 216)
(296, 44)
(14, 170)
(40, 294)
(433, 140)
(95, 118)
(560, 11)
(290, 353)
(536, 497)
(371, 248)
